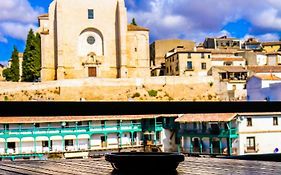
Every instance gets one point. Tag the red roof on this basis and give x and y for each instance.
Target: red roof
(230, 68)
(216, 117)
(264, 69)
(268, 77)
(42, 119)
(228, 59)
(273, 43)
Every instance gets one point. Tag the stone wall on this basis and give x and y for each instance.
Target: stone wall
(100, 89)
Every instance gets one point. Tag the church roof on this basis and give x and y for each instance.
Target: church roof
(132, 27)
(43, 16)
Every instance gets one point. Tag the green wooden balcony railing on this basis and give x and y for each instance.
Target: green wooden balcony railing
(222, 133)
(75, 130)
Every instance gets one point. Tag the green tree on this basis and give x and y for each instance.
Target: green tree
(134, 22)
(31, 64)
(12, 73)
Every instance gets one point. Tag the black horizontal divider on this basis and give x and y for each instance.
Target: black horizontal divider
(131, 108)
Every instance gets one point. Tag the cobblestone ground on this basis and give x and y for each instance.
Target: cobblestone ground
(101, 167)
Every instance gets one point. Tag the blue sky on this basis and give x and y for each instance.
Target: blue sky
(185, 19)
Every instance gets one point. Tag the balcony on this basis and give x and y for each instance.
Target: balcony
(50, 131)
(222, 133)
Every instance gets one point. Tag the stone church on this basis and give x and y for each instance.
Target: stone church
(92, 38)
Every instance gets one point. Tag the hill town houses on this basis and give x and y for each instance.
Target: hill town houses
(97, 41)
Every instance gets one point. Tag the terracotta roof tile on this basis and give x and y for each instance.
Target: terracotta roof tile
(132, 27)
(231, 68)
(228, 59)
(217, 117)
(38, 119)
(264, 69)
(271, 43)
(268, 77)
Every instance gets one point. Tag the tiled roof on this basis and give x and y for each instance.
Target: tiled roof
(223, 51)
(228, 59)
(271, 43)
(216, 117)
(132, 27)
(264, 69)
(231, 68)
(43, 16)
(219, 117)
(274, 53)
(4, 120)
(268, 77)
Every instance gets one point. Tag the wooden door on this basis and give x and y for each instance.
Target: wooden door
(92, 71)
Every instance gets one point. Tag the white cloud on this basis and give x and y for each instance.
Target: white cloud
(4, 63)
(196, 18)
(16, 18)
(16, 30)
(263, 37)
(3, 39)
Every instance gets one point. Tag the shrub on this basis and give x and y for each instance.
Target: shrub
(136, 95)
(6, 98)
(152, 93)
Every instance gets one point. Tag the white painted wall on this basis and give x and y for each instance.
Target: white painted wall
(2, 147)
(267, 136)
(83, 144)
(126, 140)
(258, 90)
(169, 145)
(57, 146)
(261, 60)
(112, 140)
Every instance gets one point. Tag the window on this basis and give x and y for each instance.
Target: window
(91, 40)
(45, 144)
(189, 65)
(189, 55)
(102, 122)
(249, 122)
(6, 126)
(275, 121)
(37, 125)
(69, 143)
(203, 66)
(251, 144)
(79, 123)
(194, 126)
(202, 55)
(90, 14)
(209, 56)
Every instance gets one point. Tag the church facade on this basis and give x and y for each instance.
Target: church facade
(91, 38)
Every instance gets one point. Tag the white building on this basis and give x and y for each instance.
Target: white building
(234, 61)
(36, 136)
(264, 88)
(230, 133)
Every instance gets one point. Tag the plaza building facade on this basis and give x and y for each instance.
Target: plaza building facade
(39, 136)
(91, 38)
(230, 133)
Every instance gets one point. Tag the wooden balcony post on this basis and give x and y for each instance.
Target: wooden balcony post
(211, 145)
